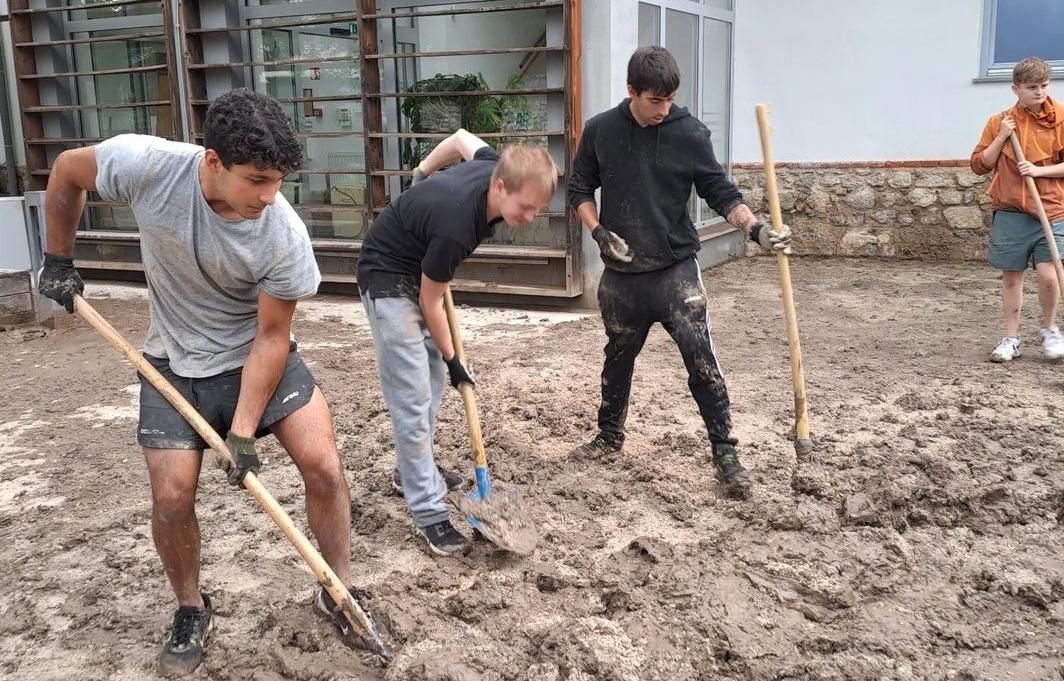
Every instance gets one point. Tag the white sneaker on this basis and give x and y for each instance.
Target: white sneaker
(1008, 349)
(1052, 343)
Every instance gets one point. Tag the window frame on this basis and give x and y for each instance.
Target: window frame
(989, 70)
(703, 11)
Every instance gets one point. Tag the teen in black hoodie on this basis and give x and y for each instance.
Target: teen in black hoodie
(645, 155)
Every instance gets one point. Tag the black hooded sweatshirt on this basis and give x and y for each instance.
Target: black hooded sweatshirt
(646, 176)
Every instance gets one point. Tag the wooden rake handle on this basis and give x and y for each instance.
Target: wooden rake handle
(801, 412)
(1047, 228)
(469, 398)
(324, 574)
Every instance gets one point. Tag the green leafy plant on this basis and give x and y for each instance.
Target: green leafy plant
(476, 113)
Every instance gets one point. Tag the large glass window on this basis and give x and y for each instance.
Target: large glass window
(699, 35)
(314, 71)
(1015, 29)
(365, 115)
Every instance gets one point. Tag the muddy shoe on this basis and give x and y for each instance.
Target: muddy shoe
(183, 648)
(733, 477)
(332, 612)
(443, 539)
(601, 446)
(453, 480)
(1007, 350)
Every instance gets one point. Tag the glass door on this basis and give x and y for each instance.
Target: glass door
(699, 36)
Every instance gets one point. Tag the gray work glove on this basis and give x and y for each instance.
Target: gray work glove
(458, 372)
(771, 240)
(419, 176)
(247, 461)
(611, 245)
(60, 281)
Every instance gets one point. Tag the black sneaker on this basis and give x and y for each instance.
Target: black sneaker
(730, 472)
(330, 611)
(183, 648)
(443, 539)
(602, 445)
(453, 480)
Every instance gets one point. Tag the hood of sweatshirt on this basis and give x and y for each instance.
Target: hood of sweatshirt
(676, 113)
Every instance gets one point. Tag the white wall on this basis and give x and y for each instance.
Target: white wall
(860, 80)
(610, 35)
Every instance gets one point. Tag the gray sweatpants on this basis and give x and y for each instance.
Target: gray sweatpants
(413, 376)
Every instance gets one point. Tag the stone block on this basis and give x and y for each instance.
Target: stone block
(859, 242)
(964, 218)
(966, 178)
(922, 198)
(900, 179)
(950, 197)
(934, 178)
(862, 198)
(817, 202)
(884, 216)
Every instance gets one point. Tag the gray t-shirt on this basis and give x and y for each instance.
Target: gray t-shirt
(204, 272)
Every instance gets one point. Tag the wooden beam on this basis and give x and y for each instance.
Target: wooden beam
(372, 118)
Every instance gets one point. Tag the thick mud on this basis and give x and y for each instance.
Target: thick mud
(922, 540)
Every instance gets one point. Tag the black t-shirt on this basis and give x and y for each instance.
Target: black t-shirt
(430, 229)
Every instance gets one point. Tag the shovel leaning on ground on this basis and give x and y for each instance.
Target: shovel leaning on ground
(360, 620)
(502, 518)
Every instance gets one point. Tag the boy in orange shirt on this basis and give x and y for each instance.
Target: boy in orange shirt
(1016, 237)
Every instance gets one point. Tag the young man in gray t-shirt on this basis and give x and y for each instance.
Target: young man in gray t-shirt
(225, 258)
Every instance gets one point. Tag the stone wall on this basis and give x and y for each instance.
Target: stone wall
(936, 210)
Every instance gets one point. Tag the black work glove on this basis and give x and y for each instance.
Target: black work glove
(60, 281)
(419, 176)
(459, 373)
(611, 245)
(243, 451)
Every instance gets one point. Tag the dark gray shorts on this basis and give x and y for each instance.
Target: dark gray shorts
(1017, 241)
(162, 427)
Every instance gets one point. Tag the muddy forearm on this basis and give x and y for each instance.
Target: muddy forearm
(742, 217)
(588, 214)
(259, 380)
(64, 202)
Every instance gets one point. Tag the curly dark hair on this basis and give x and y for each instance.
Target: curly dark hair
(248, 127)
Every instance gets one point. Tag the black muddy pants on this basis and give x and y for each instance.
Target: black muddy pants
(676, 298)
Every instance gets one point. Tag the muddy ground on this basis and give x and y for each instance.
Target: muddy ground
(923, 541)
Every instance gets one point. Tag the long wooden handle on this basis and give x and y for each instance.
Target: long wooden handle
(1047, 228)
(324, 574)
(469, 399)
(801, 412)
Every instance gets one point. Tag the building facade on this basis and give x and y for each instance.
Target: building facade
(875, 106)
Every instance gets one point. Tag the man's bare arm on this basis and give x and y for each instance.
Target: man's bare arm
(462, 145)
(265, 365)
(73, 176)
(431, 302)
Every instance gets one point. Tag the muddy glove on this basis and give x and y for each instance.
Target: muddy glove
(611, 245)
(243, 451)
(459, 373)
(771, 240)
(419, 176)
(60, 281)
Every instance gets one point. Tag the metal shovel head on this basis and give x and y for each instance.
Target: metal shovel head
(503, 518)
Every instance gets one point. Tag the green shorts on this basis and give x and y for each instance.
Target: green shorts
(1018, 242)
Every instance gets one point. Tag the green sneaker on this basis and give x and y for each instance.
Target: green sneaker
(730, 473)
